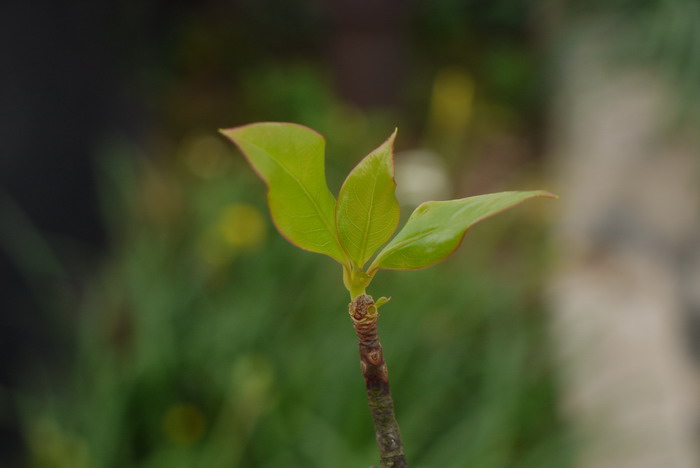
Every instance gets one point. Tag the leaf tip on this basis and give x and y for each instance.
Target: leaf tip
(230, 133)
(548, 194)
(390, 143)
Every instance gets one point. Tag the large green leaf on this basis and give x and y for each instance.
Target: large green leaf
(436, 228)
(367, 212)
(290, 159)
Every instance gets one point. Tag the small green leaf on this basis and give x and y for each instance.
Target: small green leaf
(436, 228)
(381, 301)
(367, 212)
(290, 159)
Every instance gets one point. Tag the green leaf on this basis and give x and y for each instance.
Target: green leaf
(367, 212)
(290, 159)
(436, 228)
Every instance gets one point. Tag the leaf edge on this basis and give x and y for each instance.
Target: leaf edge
(223, 132)
(374, 268)
(391, 138)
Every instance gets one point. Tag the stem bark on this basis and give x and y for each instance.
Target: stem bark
(364, 316)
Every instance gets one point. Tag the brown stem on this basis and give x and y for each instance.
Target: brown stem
(364, 317)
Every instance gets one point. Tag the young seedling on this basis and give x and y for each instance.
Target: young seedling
(290, 159)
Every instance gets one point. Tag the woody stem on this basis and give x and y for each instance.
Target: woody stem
(364, 317)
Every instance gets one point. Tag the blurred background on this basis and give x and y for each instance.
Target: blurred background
(151, 316)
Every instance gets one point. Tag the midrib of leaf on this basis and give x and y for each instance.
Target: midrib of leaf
(308, 195)
(414, 238)
(365, 235)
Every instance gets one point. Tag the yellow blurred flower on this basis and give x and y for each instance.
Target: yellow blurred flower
(205, 155)
(239, 227)
(451, 101)
(253, 380)
(52, 447)
(242, 226)
(184, 424)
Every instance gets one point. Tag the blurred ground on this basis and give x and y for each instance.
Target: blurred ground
(151, 315)
(624, 300)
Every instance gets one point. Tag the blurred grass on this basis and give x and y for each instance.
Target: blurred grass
(205, 340)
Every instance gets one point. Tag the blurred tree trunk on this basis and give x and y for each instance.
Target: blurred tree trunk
(628, 238)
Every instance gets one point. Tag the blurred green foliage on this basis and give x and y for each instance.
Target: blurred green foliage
(207, 341)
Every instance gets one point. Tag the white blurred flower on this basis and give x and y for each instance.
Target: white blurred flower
(421, 175)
